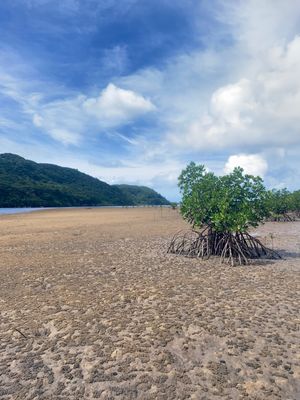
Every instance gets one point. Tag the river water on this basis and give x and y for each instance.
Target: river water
(18, 210)
(4, 211)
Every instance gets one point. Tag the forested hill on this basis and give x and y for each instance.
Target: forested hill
(24, 183)
(142, 195)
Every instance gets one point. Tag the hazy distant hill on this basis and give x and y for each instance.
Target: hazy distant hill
(26, 183)
(142, 195)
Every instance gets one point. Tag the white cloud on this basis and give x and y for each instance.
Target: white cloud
(63, 120)
(68, 120)
(241, 98)
(252, 164)
(64, 136)
(115, 106)
(231, 103)
(37, 120)
(71, 116)
(259, 110)
(239, 95)
(257, 25)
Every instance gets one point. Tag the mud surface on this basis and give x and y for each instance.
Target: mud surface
(92, 307)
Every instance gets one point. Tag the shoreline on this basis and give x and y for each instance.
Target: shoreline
(26, 210)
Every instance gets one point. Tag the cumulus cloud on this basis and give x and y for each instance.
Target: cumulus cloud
(67, 120)
(240, 98)
(257, 25)
(231, 103)
(115, 106)
(237, 94)
(259, 110)
(252, 164)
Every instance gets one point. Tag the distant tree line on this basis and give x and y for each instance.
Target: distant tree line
(142, 195)
(283, 205)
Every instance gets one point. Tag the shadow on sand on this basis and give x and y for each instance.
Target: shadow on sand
(288, 254)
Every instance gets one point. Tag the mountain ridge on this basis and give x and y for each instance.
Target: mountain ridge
(142, 195)
(25, 183)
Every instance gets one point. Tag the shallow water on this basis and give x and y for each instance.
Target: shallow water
(31, 209)
(18, 210)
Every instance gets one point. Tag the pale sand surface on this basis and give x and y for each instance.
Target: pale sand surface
(107, 314)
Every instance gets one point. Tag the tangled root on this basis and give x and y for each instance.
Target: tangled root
(282, 218)
(232, 248)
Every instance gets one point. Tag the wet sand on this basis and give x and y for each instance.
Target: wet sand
(92, 307)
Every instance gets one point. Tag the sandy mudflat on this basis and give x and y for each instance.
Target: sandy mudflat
(106, 314)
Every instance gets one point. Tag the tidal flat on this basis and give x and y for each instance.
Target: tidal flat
(92, 307)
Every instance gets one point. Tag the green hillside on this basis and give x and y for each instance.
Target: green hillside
(142, 195)
(24, 183)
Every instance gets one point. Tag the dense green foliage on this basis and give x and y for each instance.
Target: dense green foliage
(24, 183)
(224, 208)
(279, 201)
(282, 202)
(142, 195)
(295, 202)
(229, 203)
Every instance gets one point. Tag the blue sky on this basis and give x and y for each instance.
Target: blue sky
(130, 91)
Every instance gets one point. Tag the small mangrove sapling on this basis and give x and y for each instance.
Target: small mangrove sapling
(221, 210)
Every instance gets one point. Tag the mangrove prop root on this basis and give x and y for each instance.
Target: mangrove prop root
(232, 248)
(283, 217)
